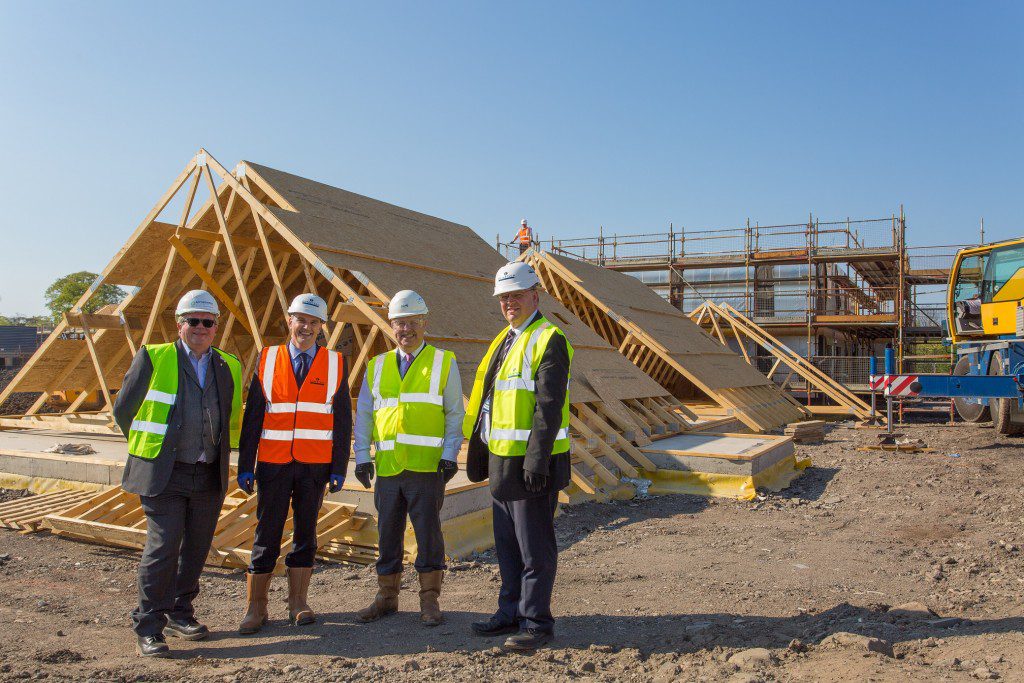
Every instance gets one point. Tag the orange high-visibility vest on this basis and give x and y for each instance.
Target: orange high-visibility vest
(524, 235)
(299, 422)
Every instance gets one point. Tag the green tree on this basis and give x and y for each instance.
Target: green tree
(26, 320)
(65, 291)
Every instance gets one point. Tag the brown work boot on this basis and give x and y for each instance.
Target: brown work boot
(386, 601)
(430, 590)
(256, 588)
(299, 613)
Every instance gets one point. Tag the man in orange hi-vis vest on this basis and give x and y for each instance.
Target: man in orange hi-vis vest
(296, 437)
(524, 238)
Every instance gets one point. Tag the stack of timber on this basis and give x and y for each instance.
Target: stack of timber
(809, 432)
(663, 342)
(723, 319)
(115, 517)
(26, 514)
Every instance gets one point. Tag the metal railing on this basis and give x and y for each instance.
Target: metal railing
(877, 234)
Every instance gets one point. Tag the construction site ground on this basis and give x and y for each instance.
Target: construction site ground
(796, 586)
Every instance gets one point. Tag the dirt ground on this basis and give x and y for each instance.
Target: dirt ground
(796, 586)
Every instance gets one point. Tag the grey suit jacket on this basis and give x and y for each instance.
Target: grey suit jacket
(150, 477)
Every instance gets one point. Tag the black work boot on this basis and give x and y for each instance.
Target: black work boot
(153, 646)
(495, 626)
(186, 629)
(529, 639)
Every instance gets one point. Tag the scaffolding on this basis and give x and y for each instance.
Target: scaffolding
(835, 291)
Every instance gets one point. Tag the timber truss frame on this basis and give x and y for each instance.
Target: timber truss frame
(721, 319)
(758, 408)
(237, 246)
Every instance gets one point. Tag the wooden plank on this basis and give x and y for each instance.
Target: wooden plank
(603, 447)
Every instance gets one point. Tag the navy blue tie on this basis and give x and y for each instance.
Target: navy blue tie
(303, 368)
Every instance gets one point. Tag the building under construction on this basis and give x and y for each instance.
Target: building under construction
(835, 292)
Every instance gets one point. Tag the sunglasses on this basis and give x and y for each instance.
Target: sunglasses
(196, 322)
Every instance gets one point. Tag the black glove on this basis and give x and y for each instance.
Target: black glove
(364, 473)
(448, 469)
(534, 482)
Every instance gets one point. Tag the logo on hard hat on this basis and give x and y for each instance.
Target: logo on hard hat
(310, 301)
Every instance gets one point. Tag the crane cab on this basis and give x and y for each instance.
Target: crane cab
(986, 289)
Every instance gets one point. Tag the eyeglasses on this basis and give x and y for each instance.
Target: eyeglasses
(205, 322)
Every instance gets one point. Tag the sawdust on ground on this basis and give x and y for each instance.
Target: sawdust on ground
(796, 586)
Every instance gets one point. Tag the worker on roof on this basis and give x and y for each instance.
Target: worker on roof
(517, 422)
(180, 407)
(295, 442)
(524, 238)
(410, 409)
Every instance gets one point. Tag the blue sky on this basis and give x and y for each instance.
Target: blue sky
(574, 115)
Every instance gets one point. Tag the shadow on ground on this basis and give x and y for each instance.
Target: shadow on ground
(339, 635)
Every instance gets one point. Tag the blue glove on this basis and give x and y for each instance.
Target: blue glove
(336, 482)
(246, 481)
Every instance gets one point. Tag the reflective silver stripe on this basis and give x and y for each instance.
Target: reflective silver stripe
(385, 403)
(314, 434)
(417, 440)
(526, 367)
(280, 407)
(435, 373)
(384, 445)
(332, 375)
(510, 434)
(378, 367)
(160, 397)
(307, 407)
(268, 372)
(149, 427)
(515, 384)
(562, 434)
(276, 434)
(436, 399)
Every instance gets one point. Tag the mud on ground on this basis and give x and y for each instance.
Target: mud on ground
(797, 586)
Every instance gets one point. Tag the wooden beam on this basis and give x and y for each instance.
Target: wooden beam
(229, 248)
(210, 281)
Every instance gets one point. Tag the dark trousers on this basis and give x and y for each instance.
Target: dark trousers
(418, 495)
(524, 540)
(299, 486)
(180, 523)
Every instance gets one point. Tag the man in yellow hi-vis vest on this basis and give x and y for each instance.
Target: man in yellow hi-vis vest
(410, 410)
(517, 422)
(180, 406)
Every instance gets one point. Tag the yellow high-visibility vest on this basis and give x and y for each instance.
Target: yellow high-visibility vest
(514, 398)
(146, 436)
(408, 413)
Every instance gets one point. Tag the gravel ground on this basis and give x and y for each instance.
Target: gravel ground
(797, 586)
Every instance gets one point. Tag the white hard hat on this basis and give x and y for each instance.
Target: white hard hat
(309, 304)
(514, 277)
(406, 303)
(197, 301)
(523, 222)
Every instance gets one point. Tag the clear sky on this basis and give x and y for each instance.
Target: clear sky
(572, 114)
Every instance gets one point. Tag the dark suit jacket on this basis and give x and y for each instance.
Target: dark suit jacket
(506, 474)
(150, 477)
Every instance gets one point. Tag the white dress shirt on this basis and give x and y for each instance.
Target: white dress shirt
(454, 412)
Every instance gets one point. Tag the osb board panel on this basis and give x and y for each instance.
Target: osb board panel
(143, 257)
(704, 359)
(332, 217)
